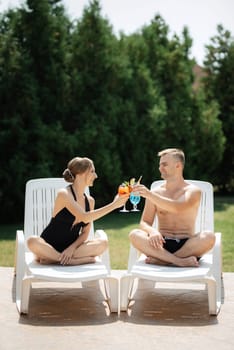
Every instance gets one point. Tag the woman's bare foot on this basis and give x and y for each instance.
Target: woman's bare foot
(73, 262)
(190, 261)
(84, 260)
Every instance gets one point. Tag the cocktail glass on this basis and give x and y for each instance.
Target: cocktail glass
(123, 189)
(134, 199)
(134, 196)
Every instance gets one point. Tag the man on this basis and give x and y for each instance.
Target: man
(175, 203)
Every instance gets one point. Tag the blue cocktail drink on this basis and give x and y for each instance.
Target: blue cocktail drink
(134, 199)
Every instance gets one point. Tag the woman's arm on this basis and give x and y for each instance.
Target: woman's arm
(64, 199)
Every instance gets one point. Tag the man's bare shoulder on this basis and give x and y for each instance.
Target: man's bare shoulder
(192, 193)
(159, 189)
(192, 188)
(188, 189)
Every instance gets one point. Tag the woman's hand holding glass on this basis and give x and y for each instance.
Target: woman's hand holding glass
(123, 190)
(120, 200)
(134, 197)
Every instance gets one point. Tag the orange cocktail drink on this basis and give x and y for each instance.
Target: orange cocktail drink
(124, 189)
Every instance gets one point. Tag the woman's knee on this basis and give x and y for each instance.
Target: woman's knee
(32, 242)
(101, 246)
(104, 244)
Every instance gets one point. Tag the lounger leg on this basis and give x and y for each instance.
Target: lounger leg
(214, 303)
(18, 287)
(25, 294)
(112, 291)
(125, 284)
(18, 294)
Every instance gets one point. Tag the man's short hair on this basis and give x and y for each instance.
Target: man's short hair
(177, 153)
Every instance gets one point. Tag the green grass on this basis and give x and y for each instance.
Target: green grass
(7, 244)
(118, 225)
(224, 223)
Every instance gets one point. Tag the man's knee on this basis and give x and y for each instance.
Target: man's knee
(134, 234)
(209, 237)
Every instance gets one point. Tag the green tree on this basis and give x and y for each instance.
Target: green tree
(94, 96)
(185, 120)
(45, 35)
(18, 102)
(70, 89)
(219, 84)
(31, 145)
(140, 97)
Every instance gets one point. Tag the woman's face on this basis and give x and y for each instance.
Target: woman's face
(90, 176)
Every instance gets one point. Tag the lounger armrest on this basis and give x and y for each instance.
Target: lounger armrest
(217, 255)
(101, 234)
(19, 251)
(19, 265)
(105, 257)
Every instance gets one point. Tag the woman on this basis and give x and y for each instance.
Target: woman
(64, 240)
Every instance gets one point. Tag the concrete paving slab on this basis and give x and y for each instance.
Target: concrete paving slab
(69, 317)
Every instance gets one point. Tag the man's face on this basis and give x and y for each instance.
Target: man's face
(167, 166)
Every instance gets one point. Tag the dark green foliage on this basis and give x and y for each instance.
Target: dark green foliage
(169, 113)
(94, 108)
(220, 86)
(75, 89)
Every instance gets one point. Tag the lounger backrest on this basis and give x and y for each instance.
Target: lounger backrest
(40, 195)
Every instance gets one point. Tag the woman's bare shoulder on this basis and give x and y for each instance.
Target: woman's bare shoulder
(62, 200)
(91, 201)
(64, 190)
(63, 193)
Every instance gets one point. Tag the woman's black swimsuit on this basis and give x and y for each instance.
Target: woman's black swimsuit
(60, 232)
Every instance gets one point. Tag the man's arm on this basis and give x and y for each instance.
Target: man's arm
(190, 198)
(148, 217)
(147, 220)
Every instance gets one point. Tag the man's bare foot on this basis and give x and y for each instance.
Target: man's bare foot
(155, 261)
(44, 261)
(190, 261)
